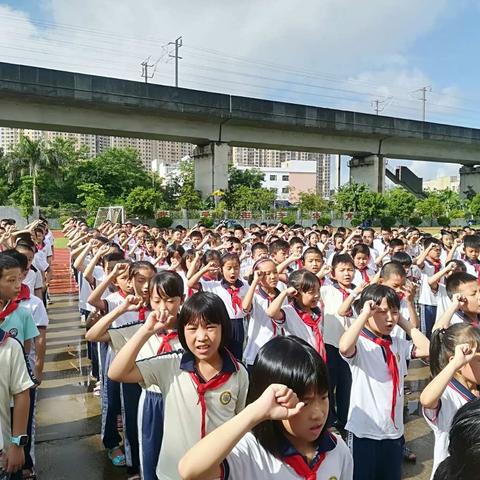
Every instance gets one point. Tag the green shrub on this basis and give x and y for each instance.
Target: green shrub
(324, 220)
(289, 219)
(444, 221)
(164, 222)
(356, 221)
(388, 222)
(207, 221)
(415, 221)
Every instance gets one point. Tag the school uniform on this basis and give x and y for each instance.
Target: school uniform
(427, 299)
(473, 267)
(193, 408)
(340, 377)
(373, 256)
(18, 322)
(15, 377)
(440, 419)
(375, 416)
(443, 302)
(150, 406)
(261, 327)
(231, 296)
(248, 459)
(33, 279)
(365, 275)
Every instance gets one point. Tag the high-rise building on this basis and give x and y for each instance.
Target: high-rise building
(265, 159)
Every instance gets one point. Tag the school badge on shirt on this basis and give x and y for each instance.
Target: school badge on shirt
(225, 397)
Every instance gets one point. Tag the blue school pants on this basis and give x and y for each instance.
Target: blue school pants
(111, 408)
(428, 314)
(340, 384)
(150, 426)
(238, 337)
(130, 396)
(376, 459)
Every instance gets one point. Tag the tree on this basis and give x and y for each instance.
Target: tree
(475, 205)
(247, 198)
(431, 206)
(92, 196)
(30, 157)
(252, 178)
(23, 196)
(347, 199)
(400, 203)
(311, 202)
(142, 202)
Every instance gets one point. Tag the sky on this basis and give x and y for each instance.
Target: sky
(333, 53)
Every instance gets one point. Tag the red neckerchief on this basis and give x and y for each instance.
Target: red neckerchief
(299, 264)
(301, 468)
(165, 346)
(209, 277)
(385, 344)
(400, 295)
(11, 306)
(437, 266)
(216, 382)
(122, 293)
(476, 266)
(466, 319)
(234, 296)
(345, 294)
(141, 313)
(40, 246)
(309, 321)
(364, 274)
(260, 291)
(24, 293)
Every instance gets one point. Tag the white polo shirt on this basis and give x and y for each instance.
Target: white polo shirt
(261, 327)
(358, 279)
(218, 287)
(334, 325)
(33, 280)
(249, 460)
(113, 300)
(427, 296)
(14, 379)
(182, 428)
(371, 395)
(440, 419)
(294, 325)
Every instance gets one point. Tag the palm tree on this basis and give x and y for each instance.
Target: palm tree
(29, 157)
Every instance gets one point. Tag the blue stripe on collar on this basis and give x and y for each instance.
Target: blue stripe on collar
(462, 390)
(187, 362)
(326, 443)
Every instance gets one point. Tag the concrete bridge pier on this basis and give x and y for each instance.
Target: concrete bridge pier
(211, 167)
(369, 170)
(469, 181)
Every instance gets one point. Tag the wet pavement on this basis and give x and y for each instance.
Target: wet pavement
(68, 414)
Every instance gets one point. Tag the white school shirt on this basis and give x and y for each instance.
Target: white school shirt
(443, 302)
(470, 268)
(182, 417)
(249, 460)
(427, 296)
(40, 317)
(15, 377)
(404, 312)
(371, 394)
(294, 325)
(358, 279)
(216, 286)
(261, 327)
(113, 300)
(440, 418)
(378, 245)
(33, 280)
(40, 261)
(334, 325)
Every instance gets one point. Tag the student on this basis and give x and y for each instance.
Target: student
(429, 263)
(471, 249)
(202, 387)
(312, 260)
(261, 293)
(33, 278)
(455, 368)
(302, 316)
(282, 433)
(361, 260)
(464, 293)
(378, 364)
(166, 294)
(464, 439)
(231, 290)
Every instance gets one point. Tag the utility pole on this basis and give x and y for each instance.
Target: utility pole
(423, 99)
(145, 66)
(177, 43)
(379, 105)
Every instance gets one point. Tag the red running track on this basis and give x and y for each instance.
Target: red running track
(62, 281)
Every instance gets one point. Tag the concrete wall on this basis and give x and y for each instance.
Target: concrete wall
(15, 213)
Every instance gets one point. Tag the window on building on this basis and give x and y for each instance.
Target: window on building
(285, 178)
(285, 190)
(273, 177)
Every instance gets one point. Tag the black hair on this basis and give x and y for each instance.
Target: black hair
(342, 258)
(377, 293)
(455, 280)
(303, 280)
(113, 257)
(238, 227)
(292, 362)
(403, 258)
(311, 250)
(296, 241)
(431, 240)
(259, 246)
(371, 230)
(464, 445)
(471, 241)
(26, 245)
(278, 245)
(19, 257)
(172, 250)
(6, 263)
(229, 257)
(196, 233)
(385, 229)
(360, 248)
(443, 343)
(208, 308)
(392, 268)
(167, 284)
(459, 265)
(211, 256)
(396, 242)
(135, 267)
(341, 231)
(188, 255)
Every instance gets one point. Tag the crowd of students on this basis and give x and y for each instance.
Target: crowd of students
(260, 352)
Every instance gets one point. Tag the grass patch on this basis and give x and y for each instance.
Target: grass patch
(61, 242)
